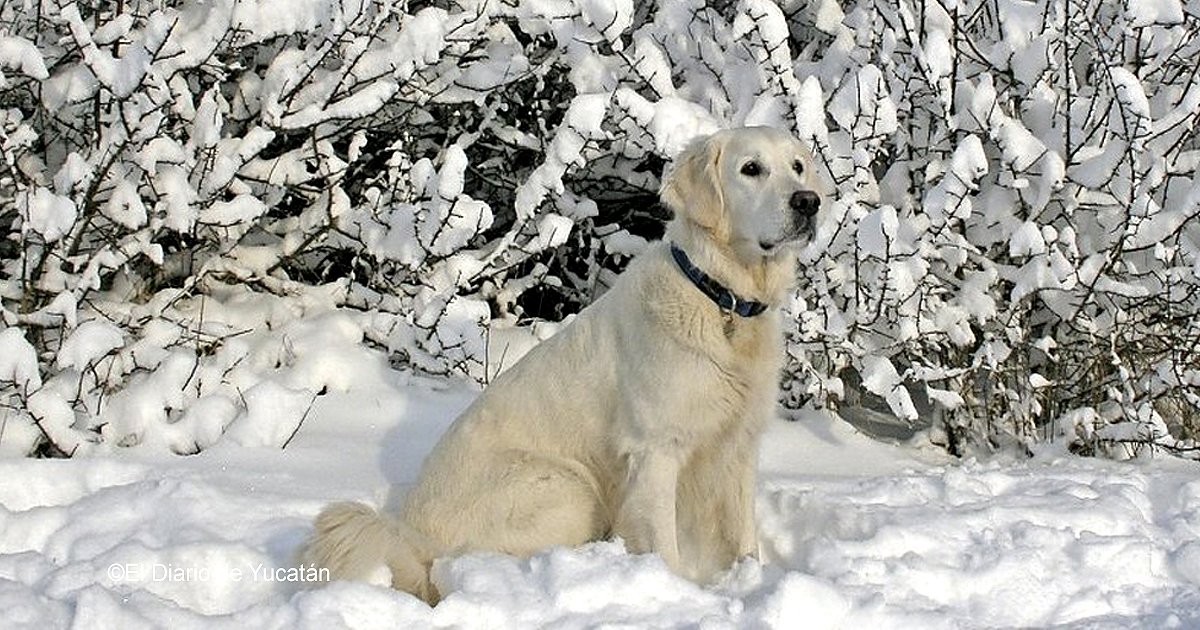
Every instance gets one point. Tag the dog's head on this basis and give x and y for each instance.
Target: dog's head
(754, 188)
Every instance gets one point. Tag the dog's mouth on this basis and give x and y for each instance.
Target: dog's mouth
(801, 232)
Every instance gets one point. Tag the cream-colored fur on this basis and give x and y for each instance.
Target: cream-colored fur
(640, 419)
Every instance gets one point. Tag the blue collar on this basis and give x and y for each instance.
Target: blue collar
(723, 297)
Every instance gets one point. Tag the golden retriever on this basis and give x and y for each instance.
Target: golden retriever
(641, 418)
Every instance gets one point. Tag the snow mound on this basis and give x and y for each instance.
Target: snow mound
(854, 533)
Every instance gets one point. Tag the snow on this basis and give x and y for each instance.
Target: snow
(672, 122)
(829, 16)
(420, 42)
(89, 342)
(237, 210)
(273, 414)
(75, 172)
(364, 102)
(945, 398)
(1027, 241)
(610, 17)
(158, 150)
(454, 218)
(1153, 229)
(122, 75)
(863, 106)
(677, 122)
(553, 230)
(125, 206)
(881, 378)
(810, 98)
(853, 532)
(581, 123)
(652, 63)
(943, 148)
(70, 85)
(46, 213)
(877, 231)
(1147, 12)
(623, 243)
(18, 360)
(178, 196)
(1135, 105)
(950, 198)
(22, 55)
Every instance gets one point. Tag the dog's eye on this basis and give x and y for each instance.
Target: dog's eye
(798, 166)
(751, 169)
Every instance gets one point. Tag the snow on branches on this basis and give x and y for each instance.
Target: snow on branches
(1011, 236)
(204, 203)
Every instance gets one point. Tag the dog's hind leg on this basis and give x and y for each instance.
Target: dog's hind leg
(352, 541)
(550, 502)
(518, 503)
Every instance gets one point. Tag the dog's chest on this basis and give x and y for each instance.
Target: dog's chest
(753, 341)
(748, 367)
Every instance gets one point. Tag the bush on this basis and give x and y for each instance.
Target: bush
(1012, 232)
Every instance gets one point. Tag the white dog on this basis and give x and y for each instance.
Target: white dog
(641, 418)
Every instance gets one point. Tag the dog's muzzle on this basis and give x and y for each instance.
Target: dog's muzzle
(804, 205)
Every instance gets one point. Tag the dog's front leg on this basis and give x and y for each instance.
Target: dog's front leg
(738, 507)
(646, 519)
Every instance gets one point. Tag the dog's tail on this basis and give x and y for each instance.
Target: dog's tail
(352, 541)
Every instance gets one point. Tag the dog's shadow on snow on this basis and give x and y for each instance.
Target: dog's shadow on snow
(420, 425)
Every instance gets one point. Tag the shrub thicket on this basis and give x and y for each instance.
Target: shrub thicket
(1011, 246)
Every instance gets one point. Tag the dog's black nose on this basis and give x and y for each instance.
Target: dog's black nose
(805, 203)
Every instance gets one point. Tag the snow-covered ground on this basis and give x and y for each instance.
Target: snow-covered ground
(855, 534)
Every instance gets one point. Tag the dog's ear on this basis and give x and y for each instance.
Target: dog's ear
(692, 187)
